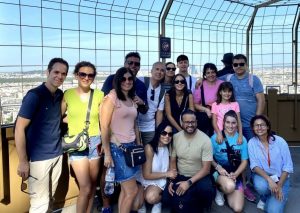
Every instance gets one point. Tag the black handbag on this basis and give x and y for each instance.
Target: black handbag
(80, 141)
(234, 157)
(134, 155)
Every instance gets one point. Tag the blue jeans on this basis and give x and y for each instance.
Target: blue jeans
(272, 204)
(90, 153)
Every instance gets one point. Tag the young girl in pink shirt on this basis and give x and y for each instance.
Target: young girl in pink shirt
(225, 102)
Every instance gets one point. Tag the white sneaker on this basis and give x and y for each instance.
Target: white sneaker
(156, 208)
(261, 205)
(142, 209)
(219, 199)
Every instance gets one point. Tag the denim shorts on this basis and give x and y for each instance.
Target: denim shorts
(122, 171)
(90, 153)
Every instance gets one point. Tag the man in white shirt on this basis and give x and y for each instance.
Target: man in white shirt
(183, 65)
(155, 97)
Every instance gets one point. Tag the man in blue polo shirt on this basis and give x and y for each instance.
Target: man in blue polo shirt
(37, 137)
(132, 61)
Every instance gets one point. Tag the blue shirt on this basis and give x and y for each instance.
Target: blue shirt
(245, 95)
(219, 150)
(140, 87)
(43, 139)
(280, 156)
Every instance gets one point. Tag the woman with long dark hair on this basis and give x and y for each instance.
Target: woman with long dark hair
(118, 126)
(271, 162)
(178, 99)
(156, 169)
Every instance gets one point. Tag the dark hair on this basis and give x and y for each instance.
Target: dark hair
(133, 54)
(182, 58)
(159, 129)
(57, 60)
(225, 86)
(170, 63)
(84, 64)
(240, 56)
(117, 83)
(209, 66)
(187, 112)
(230, 113)
(268, 123)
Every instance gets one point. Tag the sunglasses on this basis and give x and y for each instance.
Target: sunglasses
(152, 95)
(24, 186)
(238, 64)
(133, 62)
(123, 79)
(171, 68)
(83, 75)
(165, 133)
(179, 81)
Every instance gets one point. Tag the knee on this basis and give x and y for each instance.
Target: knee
(260, 185)
(152, 197)
(237, 207)
(85, 190)
(228, 187)
(131, 192)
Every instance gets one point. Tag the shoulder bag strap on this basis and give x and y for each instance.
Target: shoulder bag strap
(87, 119)
(202, 95)
(228, 149)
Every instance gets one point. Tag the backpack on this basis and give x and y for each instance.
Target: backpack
(162, 89)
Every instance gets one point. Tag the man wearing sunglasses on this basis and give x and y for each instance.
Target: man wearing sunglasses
(192, 190)
(132, 61)
(38, 140)
(155, 97)
(249, 93)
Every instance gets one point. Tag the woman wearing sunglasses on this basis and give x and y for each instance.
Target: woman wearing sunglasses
(178, 99)
(169, 75)
(86, 163)
(156, 169)
(271, 163)
(118, 126)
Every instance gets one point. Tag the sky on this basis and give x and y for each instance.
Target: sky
(35, 31)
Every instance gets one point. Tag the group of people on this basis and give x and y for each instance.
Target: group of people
(198, 134)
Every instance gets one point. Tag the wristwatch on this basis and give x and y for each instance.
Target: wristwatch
(190, 182)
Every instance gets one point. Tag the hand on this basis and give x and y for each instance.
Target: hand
(170, 189)
(219, 138)
(222, 171)
(208, 112)
(232, 176)
(23, 170)
(172, 174)
(198, 83)
(240, 139)
(278, 194)
(138, 100)
(273, 186)
(108, 161)
(182, 188)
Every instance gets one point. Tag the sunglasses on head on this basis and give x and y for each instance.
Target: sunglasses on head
(133, 62)
(179, 81)
(171, 68)
(165, 133)
(238, 64)
(83, 75)
(123, 79)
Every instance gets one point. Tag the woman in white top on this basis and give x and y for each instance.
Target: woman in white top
(156, 169)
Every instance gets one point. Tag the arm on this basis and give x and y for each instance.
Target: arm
(191, 102)
(63, 106)
(173, 167)
(169, 114)
(240, 139)
(158, 117)
(142, 105)
(137, 134)
(219, 138)
(219, 168)
(107, 109)
(20, 140)
(260, 97)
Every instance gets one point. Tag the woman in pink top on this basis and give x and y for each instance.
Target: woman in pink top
(202, 103)
(118, 126)
(225, 102)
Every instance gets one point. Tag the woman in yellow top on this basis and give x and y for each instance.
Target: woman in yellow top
(85, 164)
